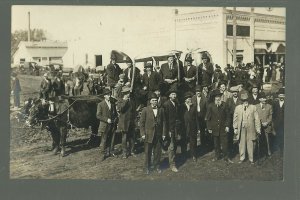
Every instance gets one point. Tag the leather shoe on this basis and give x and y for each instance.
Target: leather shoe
(241, 161)
(229, 160)
(174, 169)
(124, 156)
(55, 151)
(147, 171)
(194, 159)
(158, 170)
(63, 152)
(133, 154)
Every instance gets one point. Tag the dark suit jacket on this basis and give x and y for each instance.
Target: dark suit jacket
(137, 75)
(171, 115)
(127, 113)
(252, 100)
(230, 105)
(217, 119)
(15, 85)
(152, 82)
(58, 87)
(149, 126)
(104, 113)
(278, 114)
(113, 72)
(189, 117)
(205, 76)
(190, 74)
(169, 74)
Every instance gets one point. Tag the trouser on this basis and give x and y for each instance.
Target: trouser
(193, 143)
(106, 140)
(246, 144)
(155, 146)
(265, 142)
(17, 99)
(128, 141)
(219, 141)
(279, 138)
(58, 134)
(231, 146)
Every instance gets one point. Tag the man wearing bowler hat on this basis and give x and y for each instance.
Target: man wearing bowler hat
(246, 126)
(205, 71)
(265, 112)
(190, 74)
(217, 119)
(171, 110)
(152, 125)
(107, 114)
(189, 112)
(127, 112)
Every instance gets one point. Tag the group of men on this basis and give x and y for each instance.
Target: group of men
(223, 118)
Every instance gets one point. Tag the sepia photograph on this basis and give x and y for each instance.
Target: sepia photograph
(152, 93)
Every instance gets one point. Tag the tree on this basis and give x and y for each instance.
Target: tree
(21, 35)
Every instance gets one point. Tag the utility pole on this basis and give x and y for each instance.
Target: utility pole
(28, 27)
(252, 33)
(234, 36)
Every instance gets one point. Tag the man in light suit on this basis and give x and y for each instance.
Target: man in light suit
(152, 125)
(107, 114)
(265, 113)
(246, 126)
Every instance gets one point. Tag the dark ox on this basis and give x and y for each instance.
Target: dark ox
(79, 112)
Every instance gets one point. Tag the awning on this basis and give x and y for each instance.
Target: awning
(269, 47)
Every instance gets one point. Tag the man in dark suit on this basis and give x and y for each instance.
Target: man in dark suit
(205, 71)
(58, 86)
(278, 119)
(170, 74)
(152, 125)
(218, 125)
(231, 103)
(113, 71)
(150, 79)
(171, 110)
(129, 75)
(200, 104)
(190, 74)
(189, 112)
(15, 89)
(127, 112)
(253, 98)
(107, 114)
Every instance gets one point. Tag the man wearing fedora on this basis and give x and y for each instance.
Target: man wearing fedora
(265, 112)
(205, 71)
(113, 71)
(190, 74)
(246, 126)
(127, 112)
(189, 112)
(45, 87)
(152, 125)
(107, 114)
(217, 119)
(278, 118)
(171, 110)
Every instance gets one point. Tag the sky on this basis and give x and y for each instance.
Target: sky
(75, 22)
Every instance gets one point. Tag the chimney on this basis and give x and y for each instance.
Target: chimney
(28, 33)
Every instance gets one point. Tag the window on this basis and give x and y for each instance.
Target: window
(243, 31)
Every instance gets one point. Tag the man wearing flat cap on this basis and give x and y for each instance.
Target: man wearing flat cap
(113, 71)
(127, 112)
(246, 126)
(45, 87)
(265, 112)
(205, 71)
(189, 112)
(217, 119)
(107, 114)
(190, 74)
(152, 125)
(231, 104)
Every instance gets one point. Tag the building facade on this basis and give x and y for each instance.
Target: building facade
(43, 53)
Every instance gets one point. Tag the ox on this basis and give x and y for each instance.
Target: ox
(56, 117)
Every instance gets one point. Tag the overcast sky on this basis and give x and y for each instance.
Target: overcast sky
(73, 22)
